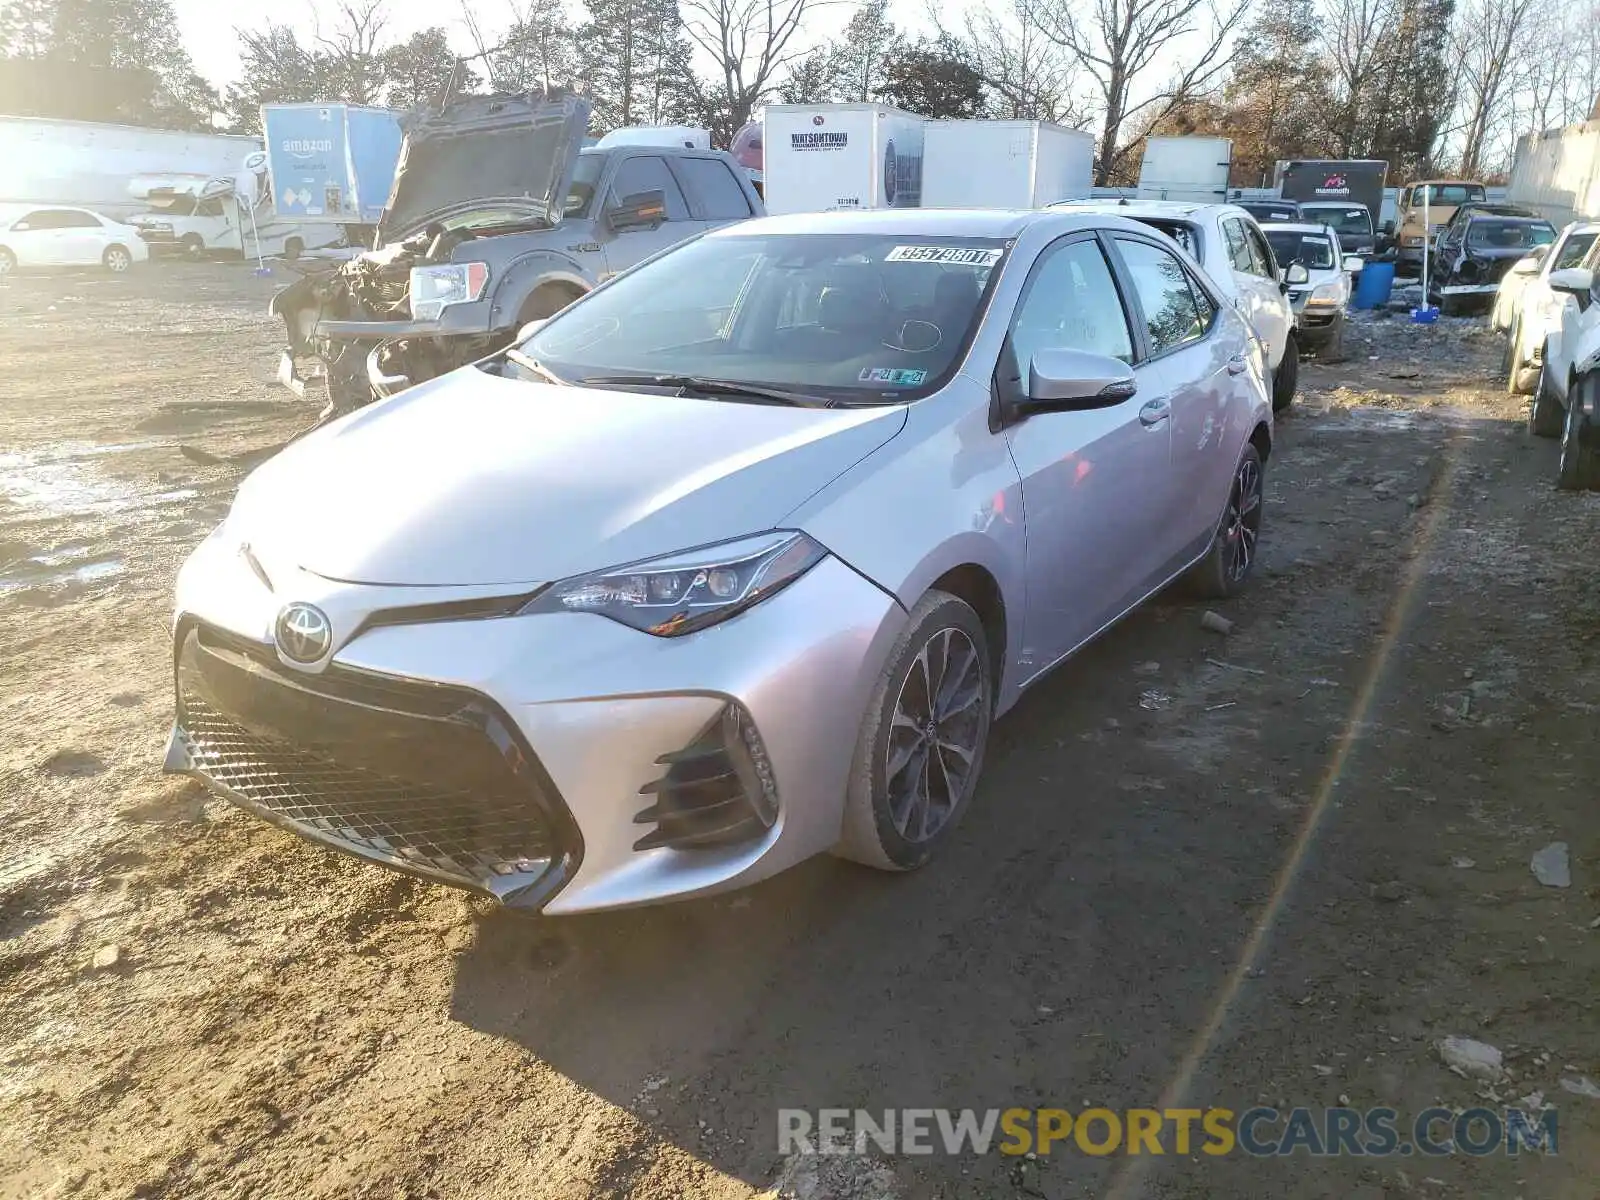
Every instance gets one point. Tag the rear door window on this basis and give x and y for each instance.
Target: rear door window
(714, 193)
(1238, 246)
(1172, 315)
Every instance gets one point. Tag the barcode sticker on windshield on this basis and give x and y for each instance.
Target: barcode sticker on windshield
(957, 256)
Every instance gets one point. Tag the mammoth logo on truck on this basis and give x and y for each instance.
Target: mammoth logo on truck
(1334, 185)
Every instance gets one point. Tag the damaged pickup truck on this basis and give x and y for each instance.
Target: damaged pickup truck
(497, 218)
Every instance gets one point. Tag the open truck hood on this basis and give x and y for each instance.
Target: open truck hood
(482, 151)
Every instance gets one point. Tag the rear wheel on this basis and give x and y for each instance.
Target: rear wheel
(1287, 377)
(921, 747)
(8, 261)
(1578, 469)
(193, 245)
(117, 259)
(1229, 563)
(1545, 416)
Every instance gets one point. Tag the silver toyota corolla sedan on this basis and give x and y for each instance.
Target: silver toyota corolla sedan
(732, 562)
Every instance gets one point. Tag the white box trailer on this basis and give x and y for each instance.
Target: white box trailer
(89, 164)
(1557, 172)
(827, 157)
(1186, 168)
(1004, 164)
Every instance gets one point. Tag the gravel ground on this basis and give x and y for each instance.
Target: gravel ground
(1277, 867)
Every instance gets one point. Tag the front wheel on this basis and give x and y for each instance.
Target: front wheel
(117, 260)
(8, 261)
(1545, 416)
(193, 246)
(1287, 377)
(921, 747)
(1228, 565)
(1578, 469)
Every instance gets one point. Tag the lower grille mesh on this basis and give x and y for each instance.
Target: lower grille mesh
(475, 837)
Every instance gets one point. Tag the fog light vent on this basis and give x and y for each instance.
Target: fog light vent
(718, 790)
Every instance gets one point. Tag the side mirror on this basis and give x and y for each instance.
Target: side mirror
(640, 211)
(1353, 263)
(531, 328)
(1572, 281)
(1296, 273)
(1074, 381)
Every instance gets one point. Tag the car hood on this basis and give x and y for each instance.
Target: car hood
(482, 151)
(471, 479)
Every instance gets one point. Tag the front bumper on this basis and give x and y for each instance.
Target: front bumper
(562, 728)
(1470, 289)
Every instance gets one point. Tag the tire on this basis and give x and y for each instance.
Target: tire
(1228, 565)
(899, 780)
(8, 261)
(293, 249)
(117, 260)
(193, 246)
(1286, 379)
(546, 301)
(1521, 380)
(1578, 469)
(1546, 416)
(1332, 350)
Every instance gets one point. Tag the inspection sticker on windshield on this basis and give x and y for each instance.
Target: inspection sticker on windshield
(891, 375)
(952, 256)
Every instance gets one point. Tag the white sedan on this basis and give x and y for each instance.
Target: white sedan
(68, 237)
(1527, 310)
(1228, 244)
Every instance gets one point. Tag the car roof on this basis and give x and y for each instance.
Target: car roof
(912, 222)
(1172, 210)
(1507, 218)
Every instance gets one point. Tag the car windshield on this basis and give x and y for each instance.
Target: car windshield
(1351, 222)
(1313, 250)
(1509, 235)
(852, 317)
(490, 218)
(1573, 250)
(585, 178)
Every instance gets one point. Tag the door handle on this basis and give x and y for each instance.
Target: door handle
(1236, 365)
(1155, 412)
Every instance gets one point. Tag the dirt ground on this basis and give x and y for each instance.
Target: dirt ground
(1270, 868)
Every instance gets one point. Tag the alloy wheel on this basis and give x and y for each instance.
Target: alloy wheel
(1242, 525)
(117, 260)
(935, 734)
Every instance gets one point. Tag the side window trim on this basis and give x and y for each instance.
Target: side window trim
(1140, 328)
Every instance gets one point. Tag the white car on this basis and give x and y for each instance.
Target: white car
(1230, 247)
(1527, 310)
(68, 237)
(1321, 302)
(1568, 394)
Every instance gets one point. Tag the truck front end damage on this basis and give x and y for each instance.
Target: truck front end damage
(420, 305)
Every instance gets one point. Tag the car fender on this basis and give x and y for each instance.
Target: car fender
(1586, 350)
(524, 275)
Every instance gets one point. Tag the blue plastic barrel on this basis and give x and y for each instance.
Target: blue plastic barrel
(1373, 285)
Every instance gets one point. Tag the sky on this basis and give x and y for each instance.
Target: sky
(208, 26)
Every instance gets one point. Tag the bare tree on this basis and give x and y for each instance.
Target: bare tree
(750, 44)
(1352, 39)
(1119, 43)
(1490, 53)
(1027, 74)
(350, 44)
(538, 49)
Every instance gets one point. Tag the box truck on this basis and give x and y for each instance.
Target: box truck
(1344, 194)
(226, 215)
(1185, 168)
(1004, 164)
(1557, 173)
(331, 164)
(826, 157)
(89, 164)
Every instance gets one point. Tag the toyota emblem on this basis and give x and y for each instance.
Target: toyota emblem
(303, 633)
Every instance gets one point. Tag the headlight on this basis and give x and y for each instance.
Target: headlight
(434, 289)
(681, 593)
(1325, 293)
(1412, 240)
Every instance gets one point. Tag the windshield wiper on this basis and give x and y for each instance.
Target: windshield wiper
(713, 387)
(532, 364)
